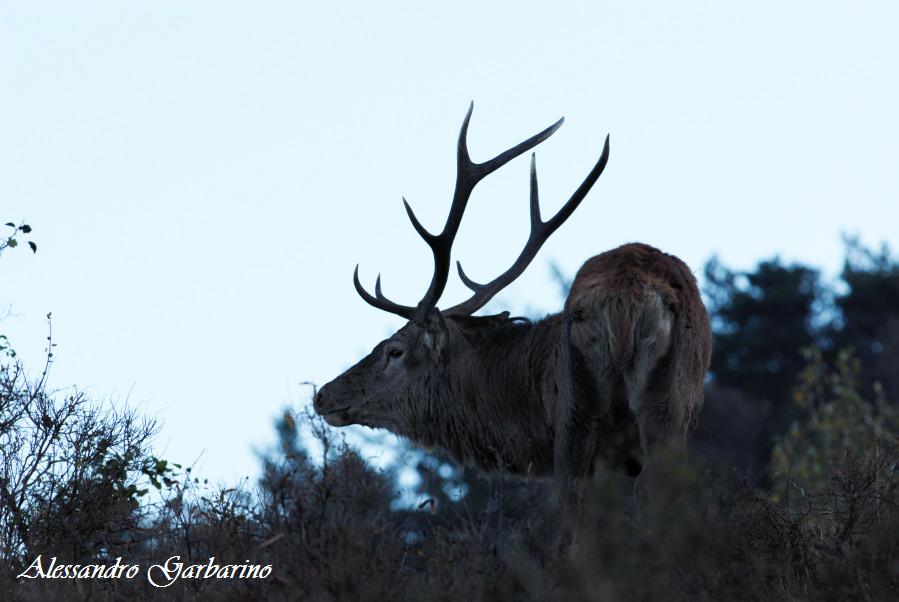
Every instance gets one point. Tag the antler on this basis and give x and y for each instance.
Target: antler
(468, 174)
(540, 232)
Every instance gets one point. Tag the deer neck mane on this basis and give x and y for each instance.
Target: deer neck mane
(493, 405)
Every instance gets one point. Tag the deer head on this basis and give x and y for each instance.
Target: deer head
(411, 381)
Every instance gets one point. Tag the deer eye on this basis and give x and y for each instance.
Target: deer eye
(395, 353)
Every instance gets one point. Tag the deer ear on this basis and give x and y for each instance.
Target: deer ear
(436, 333)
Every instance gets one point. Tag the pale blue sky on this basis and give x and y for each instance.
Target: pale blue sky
(203, 176)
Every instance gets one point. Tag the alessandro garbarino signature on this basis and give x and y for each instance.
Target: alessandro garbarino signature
(159, 575)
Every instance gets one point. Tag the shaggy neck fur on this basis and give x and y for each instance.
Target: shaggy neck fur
(495, 406)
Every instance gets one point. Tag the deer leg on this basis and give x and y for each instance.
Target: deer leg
(652, 423)
(575, 444)
(662, 422)
(585, 396)
(650, 389)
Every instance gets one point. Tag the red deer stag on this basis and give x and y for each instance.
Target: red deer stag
(616, 374)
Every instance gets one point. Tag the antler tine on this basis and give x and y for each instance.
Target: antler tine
(468, 174)
(379, 300)
(540, 233)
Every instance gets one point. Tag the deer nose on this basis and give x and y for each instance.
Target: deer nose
(318, 401)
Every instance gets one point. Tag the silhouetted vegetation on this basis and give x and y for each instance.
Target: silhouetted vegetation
(792, 491)
(867, 317)
(765, 321)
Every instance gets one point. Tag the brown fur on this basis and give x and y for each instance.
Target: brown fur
(639, 335)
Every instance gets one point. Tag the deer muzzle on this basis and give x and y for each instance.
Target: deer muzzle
(331, 410)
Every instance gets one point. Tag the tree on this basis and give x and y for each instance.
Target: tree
(869, 320)
(762, 319)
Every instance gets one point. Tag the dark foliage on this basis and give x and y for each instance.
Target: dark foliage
(70, 475)
(331, 530)
(762, 320)
(817, 521)
(869, 315)
(14, 234)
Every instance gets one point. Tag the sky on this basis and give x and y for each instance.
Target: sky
(202, 177)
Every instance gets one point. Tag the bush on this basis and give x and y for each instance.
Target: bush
(70, 475)
(332, 531)
(838, 426)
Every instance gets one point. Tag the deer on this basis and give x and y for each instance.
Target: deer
(614, 377)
